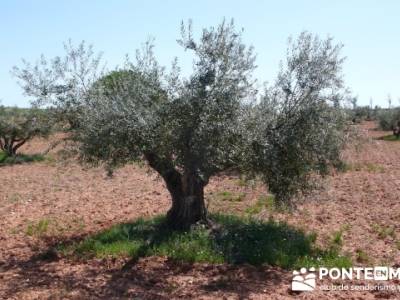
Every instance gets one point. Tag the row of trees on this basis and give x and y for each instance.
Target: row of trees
(189, 129)
(388, 118)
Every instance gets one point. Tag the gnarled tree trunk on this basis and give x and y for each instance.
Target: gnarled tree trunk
(187, 193)
(188, 205)
(11, 145)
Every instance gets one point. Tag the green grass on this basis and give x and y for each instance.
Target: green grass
(336, 240)
(229, 196)
(3, 156)
(45, 228)
(390, 138)
(358, 166)
(264, 201)
(20, 158)
(397, 244)
(362, 256)
(39, 229)
(384, 231)
(239, 240)
(246, 182)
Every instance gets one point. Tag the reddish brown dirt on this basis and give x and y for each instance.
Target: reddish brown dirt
(363, 203)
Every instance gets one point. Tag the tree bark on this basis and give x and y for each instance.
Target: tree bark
(187, 193)
(8, 147)
(188, 205)
(17, 146)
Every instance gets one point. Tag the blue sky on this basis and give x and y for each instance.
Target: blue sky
(369, 30)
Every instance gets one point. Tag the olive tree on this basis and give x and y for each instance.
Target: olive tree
(189, 129)
(17, 126)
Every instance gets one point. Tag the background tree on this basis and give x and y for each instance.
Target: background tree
(17, 126)
(389, 100)
(353, 101)
(190, 129)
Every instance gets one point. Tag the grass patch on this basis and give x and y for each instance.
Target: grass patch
(229, 196)
(398, 245)
(389, 138)
(20, 158)
(362, 256)
(384, 231)
(238, 240)
(264, 201)
(38, 229)
(246, 182)
(3, 156)
(14, 198)
(53, 228)
(337, 240)
(358, 166)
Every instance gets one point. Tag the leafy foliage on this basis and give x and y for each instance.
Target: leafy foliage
(297, 128)
(388, 118)
(62, 83)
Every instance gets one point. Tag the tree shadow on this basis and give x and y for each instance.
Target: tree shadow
(233, 240)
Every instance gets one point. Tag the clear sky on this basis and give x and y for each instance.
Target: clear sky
(369, 30)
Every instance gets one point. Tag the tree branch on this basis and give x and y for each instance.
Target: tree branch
(17, 146)
(166, 169)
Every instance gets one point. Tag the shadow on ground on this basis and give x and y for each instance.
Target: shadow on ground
(233, 240)
(149, 278)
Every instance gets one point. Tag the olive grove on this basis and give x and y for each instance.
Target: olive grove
(189, 129)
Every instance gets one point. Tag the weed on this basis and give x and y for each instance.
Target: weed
(264, 201)
(362, 256)
(14, 197)
(246, 182)
(358, 166)
(374, 168)
(345, 227)
(384, 231)
(336, 240)
(229, 196)
(241, 182)
(39, 229)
